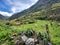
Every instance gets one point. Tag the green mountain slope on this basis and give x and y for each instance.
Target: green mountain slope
(46, 5)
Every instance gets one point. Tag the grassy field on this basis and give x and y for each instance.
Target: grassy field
(6, 31)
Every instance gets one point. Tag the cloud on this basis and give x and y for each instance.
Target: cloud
(19, 5)
(5, 13)
(19, 8)
(15, 6)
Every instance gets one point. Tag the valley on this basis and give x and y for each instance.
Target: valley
(42, 20)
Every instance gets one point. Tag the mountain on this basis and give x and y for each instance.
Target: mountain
(2, 17)
(6, 17)
(45, 7)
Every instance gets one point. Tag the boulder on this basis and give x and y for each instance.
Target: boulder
(30, 41)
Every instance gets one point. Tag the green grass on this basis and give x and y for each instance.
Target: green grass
(6, 31)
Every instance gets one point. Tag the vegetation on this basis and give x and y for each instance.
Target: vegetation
(6, 31)
(47, 8)
(35, 18)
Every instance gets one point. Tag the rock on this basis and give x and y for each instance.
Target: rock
(24, 38)
(11, 38)
(49, 43)
(17, 42)
(30, 41)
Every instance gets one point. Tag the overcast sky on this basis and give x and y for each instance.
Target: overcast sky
(9, 7)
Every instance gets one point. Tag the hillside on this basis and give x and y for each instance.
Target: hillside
(42, 10)
(37, 25)
(46, 5)
(2, 17)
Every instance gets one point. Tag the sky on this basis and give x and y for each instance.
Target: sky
(9, 7)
